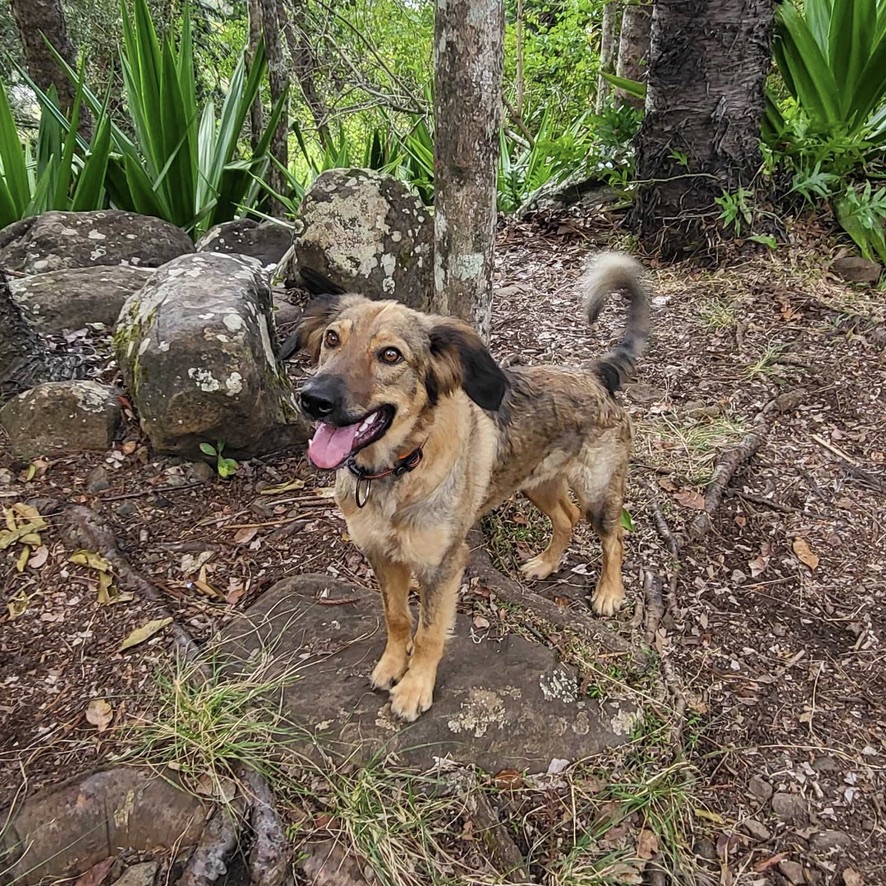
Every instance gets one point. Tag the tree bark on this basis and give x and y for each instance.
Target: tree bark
(256, 112)
(700, 137)
(36, 18)
(633, 48)
(278, 78)
(468, 58)
(608, 45)
(304, 68)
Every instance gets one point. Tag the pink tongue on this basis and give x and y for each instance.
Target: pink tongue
(330, 445)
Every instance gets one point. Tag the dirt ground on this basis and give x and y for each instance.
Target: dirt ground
(773, 637)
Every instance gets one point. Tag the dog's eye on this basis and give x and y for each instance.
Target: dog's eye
(331, 339)
(390, 356)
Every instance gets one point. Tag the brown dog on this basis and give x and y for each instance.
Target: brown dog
(428, 433)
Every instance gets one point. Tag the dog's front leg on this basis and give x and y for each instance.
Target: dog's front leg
(438, 587)
(393, 580)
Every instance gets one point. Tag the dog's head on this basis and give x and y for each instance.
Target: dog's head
(381, 369)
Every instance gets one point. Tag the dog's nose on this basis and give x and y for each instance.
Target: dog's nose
(320, 398)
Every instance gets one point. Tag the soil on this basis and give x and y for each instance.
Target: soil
(777, 627)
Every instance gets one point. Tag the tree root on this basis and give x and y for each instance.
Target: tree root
(495, 837)
(732, 459)
(509, 591)
(269, 858)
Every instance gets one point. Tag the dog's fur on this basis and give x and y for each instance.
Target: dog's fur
(486, 433)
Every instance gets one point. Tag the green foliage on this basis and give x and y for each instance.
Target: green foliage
(50, 172)
(226, 467)
(182, 162)
(736, 210)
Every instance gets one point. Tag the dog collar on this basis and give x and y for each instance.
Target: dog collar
(364, 478)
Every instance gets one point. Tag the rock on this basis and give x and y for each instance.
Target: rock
(266, 241)
(757, 830)
(73, 298)
(499, 702)
(790, 808)
(643, 394)
(367, 233)
(61, 416)
(139, 875)
(579, 189)
(855, 269)
(826, 764)
(57, 240)
(200, 472)
(792, 871)
(65, 831)
(825, 842)
(196, 348)
(98, 480)
(759, 788)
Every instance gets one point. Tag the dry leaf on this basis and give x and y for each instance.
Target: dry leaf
(18, 605)
(129, 447)
(191, 564)
(480, 622)
(145, 632)
(690, 498)
(852, 877)
(668, 484)
(95, 876)
(104, 588)
(325, 492)
(804, 553)
(22, 559)
(291, 486)
(760, 562)
(39, 557)
(244, 536)
(647, 844)
(93, 561)
(508, 779)
(99, 713)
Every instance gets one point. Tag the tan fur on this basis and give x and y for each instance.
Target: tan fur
(556, 430)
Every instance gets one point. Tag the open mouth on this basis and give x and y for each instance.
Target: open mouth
(331, 446)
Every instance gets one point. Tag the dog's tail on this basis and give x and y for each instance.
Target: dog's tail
(612, 271)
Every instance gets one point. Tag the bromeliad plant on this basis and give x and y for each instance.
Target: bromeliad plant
(182, 162)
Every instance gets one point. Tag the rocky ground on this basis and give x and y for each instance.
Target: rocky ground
(760, 756)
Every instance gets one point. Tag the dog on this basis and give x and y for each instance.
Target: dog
(427, 434)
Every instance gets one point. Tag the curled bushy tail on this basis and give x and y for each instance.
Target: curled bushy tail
(609, 272)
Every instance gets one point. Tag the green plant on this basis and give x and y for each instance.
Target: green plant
(226, 467)
(55, 170)
(862, 214)
(736, 209)
(182, 163)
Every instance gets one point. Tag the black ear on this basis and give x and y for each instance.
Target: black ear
(316, 317)
(460, 359)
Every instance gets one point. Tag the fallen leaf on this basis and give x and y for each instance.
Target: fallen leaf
(709, 816)
(760, 562)
(766, 863)
(668, 484)
(244, 536)
(18, 605)
(129, 447)
(804, 553)
(30, 513)
(647, 844)
(508, 779)
(325, 492)
(690, 498)
(22, 559)
(480, 622)
(145, 632)
(95, 876)
(99, 713)
(104, 588)
(852, 877)
(93, 561)
(191, 563)
(39, 557)
(235, 595)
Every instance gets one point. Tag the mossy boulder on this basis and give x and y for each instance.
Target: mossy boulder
(197, 350)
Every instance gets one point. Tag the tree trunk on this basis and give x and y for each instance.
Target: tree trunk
(708, 61)
(633, 48)
(36, 18)
(278, 78)
(608, 37)
(468, 58)
(304, 68)
(256, 113)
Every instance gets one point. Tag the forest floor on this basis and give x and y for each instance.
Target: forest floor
(763, 762)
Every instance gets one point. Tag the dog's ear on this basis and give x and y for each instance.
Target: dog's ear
(459, 359)
(308, 335)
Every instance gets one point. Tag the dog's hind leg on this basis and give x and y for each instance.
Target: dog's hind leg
(552, 499)
(394, 581)
(414, 694)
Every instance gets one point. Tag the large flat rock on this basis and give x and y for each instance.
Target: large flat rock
(500, 702)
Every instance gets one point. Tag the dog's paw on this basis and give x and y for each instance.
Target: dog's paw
(390, 668)
(538, 568)
(607, 599)
(412, 696)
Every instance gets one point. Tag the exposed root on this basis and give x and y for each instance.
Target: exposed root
(269, 857)
(673, 546)
(497, 839)
(732, 459)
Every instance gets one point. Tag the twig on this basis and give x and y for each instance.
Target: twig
(673, 546)
(867, 478)
(496, 839)
(154, 490)
(759, 500)
(732, 459)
